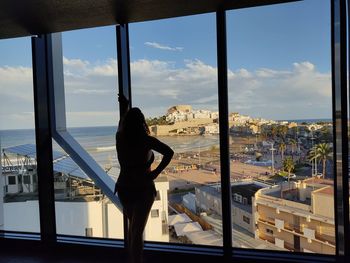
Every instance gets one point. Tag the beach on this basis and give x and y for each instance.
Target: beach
(196, 160)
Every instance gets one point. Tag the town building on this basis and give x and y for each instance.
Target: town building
(81, 208)
(298, 216)
(208, 199)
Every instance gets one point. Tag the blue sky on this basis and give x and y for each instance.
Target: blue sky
(278, 57)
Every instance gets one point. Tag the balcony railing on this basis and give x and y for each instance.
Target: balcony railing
(294, 228)
(325, 238)
(267, 238)
(266, 221)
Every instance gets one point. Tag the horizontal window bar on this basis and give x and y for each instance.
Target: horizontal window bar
(17, 235)
(90, 241)
(264, 255)
(184, 249)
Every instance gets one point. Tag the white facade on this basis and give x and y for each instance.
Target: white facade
(101, 218)
(12, 184)
(178, 116)
(22, 216)
(242, 218)
(211, 129)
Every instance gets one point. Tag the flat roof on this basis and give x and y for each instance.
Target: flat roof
(315, 180)
(61, 161)
(20, 18)
(246, 190)
(326, 190)
(29, 150)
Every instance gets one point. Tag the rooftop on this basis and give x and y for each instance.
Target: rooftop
(315, 180)
(326, 190)
(246, 190)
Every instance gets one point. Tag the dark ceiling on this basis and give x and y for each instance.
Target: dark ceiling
(32, 17)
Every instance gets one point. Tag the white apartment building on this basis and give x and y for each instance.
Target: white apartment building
(179, 114)
(97, 218)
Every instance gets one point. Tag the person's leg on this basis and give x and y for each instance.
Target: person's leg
(137, 226)
(128, 209)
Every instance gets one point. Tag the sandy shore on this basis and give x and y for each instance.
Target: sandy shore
(190, 169)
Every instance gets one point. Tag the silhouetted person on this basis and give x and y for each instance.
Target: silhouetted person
(135, 185)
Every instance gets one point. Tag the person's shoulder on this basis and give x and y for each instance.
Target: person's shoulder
(150, 138)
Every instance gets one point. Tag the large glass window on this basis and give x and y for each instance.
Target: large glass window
(281, 149)
(174, 82)
(90, 86)
(18, 176)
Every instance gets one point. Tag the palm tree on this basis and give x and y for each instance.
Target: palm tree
(274, 129)
(282, 130)
(293, 144)
(323, 153)
(312, 156)
(288, 166)
(263, 135)
(282, 148)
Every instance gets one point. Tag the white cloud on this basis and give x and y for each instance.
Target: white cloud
(163, 47)
(283, 94)
(92, 118)
(91, 90)
(16, 82)
(270, 93)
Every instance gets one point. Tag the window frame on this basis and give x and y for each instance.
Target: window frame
(12, 180)
(51, 123)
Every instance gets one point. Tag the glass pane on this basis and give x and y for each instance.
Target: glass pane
(82, 209)
(174, 83)
(90, 80)
(18, 178)
(281, 128)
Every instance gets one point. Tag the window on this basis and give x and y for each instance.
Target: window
(174, 83)
(154, 213)
(90, 94)
(289, 130)
(280, 122)
(12, 180)
(158, 196)
(26, 179)
(246, 219)
(269, 231)
(16, 134)
(35, 178)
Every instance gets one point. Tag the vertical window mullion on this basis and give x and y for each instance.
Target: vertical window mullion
(340, 129)
(42, 78)
(124, 86)
(224, 136)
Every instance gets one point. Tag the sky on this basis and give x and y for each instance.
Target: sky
(279, 61)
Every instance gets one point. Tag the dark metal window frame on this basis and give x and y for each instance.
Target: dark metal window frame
(50, 123)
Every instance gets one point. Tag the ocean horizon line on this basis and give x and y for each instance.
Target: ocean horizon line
(311, 120)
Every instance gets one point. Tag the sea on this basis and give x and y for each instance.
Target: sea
(99, 142)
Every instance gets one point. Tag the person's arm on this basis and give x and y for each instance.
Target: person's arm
(163, 149)
(124, 102)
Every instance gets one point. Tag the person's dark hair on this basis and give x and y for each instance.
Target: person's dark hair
(134, 126)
